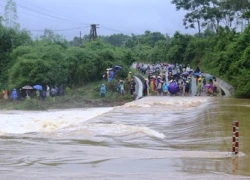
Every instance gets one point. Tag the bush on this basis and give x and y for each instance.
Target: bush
(112, 86)
(30, 104)
(29, 72)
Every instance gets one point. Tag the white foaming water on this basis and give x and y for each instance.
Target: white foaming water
(169, 101)
(117, 145)
(114, 130)
(19, 122)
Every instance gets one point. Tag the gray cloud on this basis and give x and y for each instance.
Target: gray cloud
(114, 16)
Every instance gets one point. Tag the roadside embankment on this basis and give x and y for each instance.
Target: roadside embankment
(227, 89)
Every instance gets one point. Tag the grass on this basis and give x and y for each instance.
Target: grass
(81, 97)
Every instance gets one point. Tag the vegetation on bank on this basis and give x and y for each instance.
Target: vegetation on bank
(81, 97)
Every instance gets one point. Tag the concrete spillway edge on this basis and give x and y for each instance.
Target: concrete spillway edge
(138, 88)
(227, 88)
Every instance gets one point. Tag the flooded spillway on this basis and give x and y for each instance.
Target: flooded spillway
(151, 138)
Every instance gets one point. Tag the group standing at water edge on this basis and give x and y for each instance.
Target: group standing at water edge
(36, 91)
(111, 74)
(162, 79)
(121, 86)
(166, 79)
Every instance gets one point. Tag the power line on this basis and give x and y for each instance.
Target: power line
(113, 30)
(40, 17)
(41, 7)
(45, 14)
(54, 17)
(110, 29)
(60, 16)
(61, 29)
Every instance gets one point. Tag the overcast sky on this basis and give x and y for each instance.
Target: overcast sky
(114, 16)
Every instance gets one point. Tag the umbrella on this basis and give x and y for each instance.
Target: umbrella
(208, 85)
(27, 87)
(173, 88)
(197, 74)
(185, 73)
(170, 66)
(118, 67)
(38, 87)
(208, 76)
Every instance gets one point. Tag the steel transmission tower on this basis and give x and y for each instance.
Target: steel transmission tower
(93, 32)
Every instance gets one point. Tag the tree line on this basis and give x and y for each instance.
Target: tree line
(224, 52)
(214, 13)
(52, 60)
(218, 48)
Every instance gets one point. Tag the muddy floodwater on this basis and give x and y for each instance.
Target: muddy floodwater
(149, 139)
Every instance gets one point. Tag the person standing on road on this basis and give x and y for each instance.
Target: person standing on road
(14, 95)
(159, 88)
(129, 76)
(5, 94)
(103, 90)
(148, 87)
(145, 87)
(122, 88)
(198, 88)
(132, 87)
(187, 87)
(47, 91)
(165, 88)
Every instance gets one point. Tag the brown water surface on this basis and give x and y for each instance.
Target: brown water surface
(152, 138)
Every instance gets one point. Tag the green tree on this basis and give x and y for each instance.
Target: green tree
(1, 19)
(51, 37)
(177, 47)
(213, 15)
(195, 51)
(196, 10)
(9, 40)
(77, 42)
(241, 8)
(29, 72)
(116, 39)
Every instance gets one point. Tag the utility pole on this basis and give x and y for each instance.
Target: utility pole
(93, 32)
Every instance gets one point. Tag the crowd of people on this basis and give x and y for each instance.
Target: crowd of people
(162, 79)
(111, 74)
(28, 92)
(167, 79)
(121, 86)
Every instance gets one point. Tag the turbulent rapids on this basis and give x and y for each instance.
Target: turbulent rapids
(139, 140)
(19, 122)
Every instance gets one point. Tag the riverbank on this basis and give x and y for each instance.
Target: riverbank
(82, 97)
